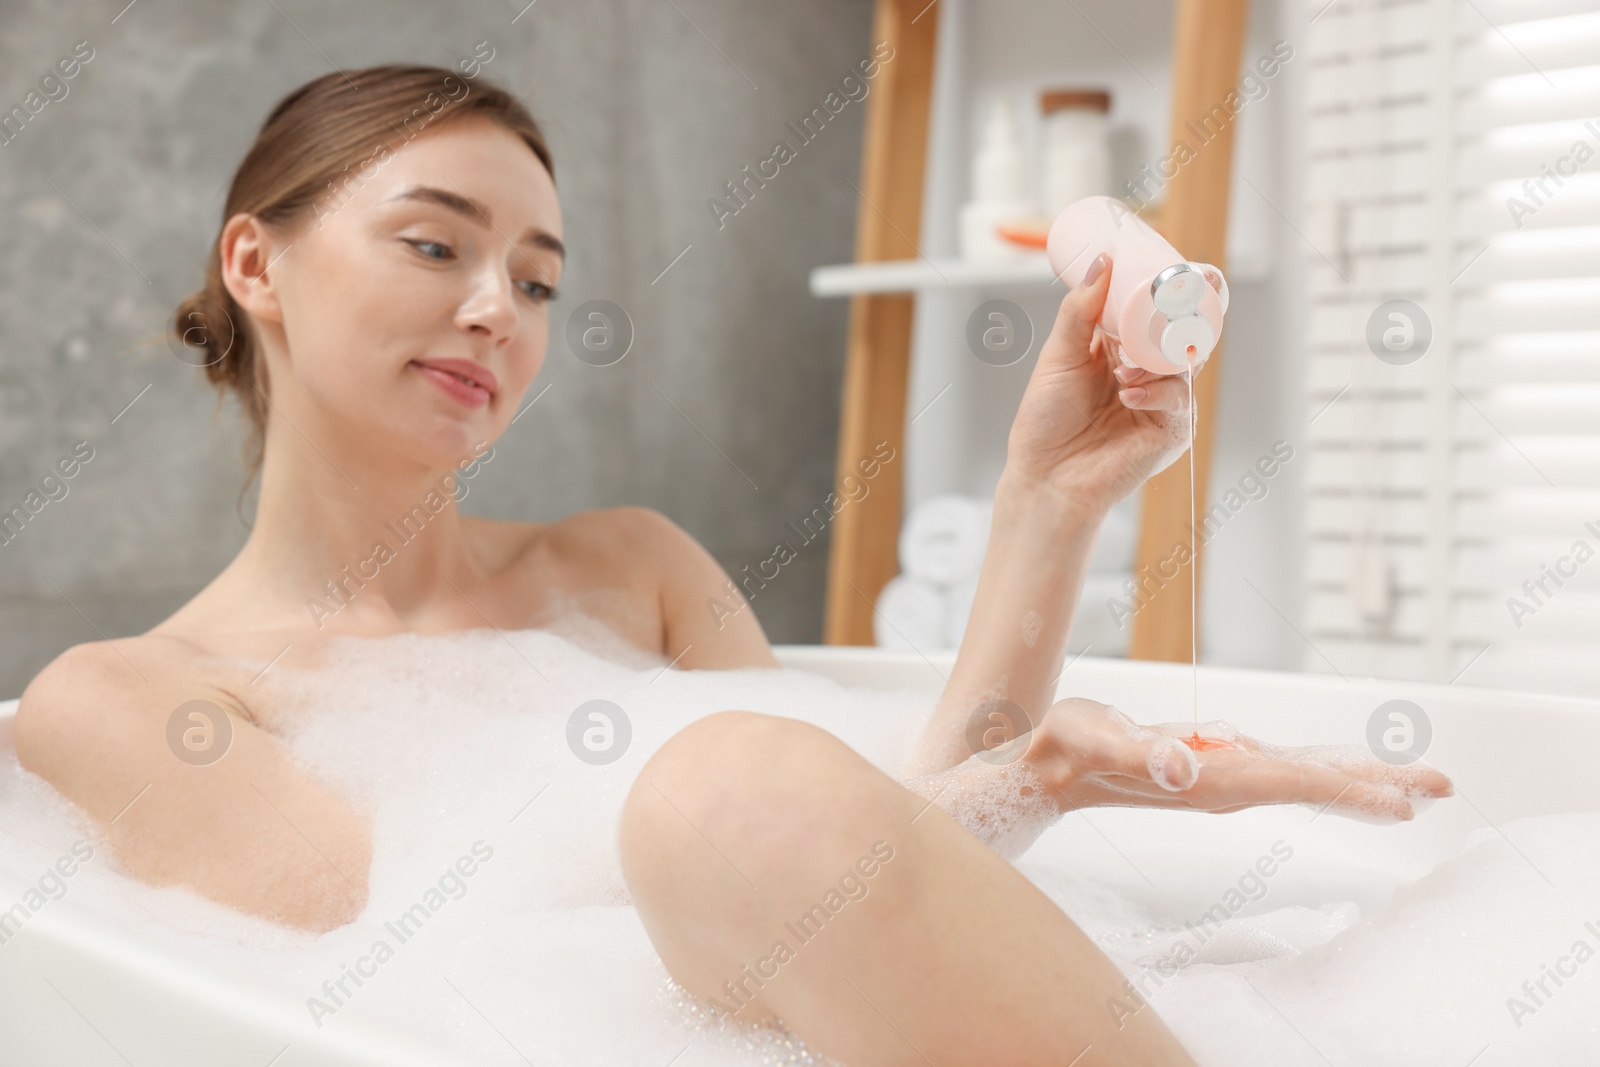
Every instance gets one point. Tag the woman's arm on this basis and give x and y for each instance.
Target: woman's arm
(1087, 433)
(1016, 636)
(250, 830)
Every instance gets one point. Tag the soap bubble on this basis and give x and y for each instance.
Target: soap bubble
(199, 732)
(999, 333)
(1399, 332)
(599, 333)
(1005, 806)
(1399, 732)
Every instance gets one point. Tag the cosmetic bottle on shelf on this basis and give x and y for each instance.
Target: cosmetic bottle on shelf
(1000, 195)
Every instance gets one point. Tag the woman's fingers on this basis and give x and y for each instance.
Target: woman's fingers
(1169, 763)
(1240, 779)
(1099, 347)
(1133, 375)
(1127, 375)
(1417, 779)
(1169, 393)
(1078, 316)
(1111, 350)
(1428, 782)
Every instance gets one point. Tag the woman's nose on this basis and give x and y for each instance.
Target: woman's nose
(490, 308)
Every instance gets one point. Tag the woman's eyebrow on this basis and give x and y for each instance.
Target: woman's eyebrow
(469, 208)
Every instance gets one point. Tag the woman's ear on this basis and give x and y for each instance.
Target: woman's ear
(247, 249)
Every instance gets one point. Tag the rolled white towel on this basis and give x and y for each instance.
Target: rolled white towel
(944, 538)
(910, 616)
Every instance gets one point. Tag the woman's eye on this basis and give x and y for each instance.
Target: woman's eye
(537, 291)
(431, 249)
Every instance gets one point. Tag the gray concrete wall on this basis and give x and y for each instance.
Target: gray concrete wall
(110, 195)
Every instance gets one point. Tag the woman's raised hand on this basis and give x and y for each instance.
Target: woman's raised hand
(1090, 754)
(1087, 432)
(1087, 425)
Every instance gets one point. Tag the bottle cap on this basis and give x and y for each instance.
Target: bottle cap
(1188, 341)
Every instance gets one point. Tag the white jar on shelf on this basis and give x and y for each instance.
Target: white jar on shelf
(1075, 146)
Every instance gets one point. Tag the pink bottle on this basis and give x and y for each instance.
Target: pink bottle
(1164, 311)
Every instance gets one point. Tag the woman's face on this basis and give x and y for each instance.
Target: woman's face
(414, 304)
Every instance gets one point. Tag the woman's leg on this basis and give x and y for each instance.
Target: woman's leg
(781, 874)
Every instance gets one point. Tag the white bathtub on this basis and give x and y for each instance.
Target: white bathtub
(75, 989)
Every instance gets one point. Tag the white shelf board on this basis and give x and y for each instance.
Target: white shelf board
(914, 275)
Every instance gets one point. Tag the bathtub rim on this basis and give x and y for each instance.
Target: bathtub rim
(847, 665)
(1109, 668)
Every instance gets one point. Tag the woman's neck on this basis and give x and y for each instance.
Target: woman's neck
(374, 530)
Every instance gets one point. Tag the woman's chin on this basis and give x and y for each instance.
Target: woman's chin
(444, 443)
(462, 450)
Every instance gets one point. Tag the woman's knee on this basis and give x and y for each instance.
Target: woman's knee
(680, 790)
(740, 797)
(737, 824)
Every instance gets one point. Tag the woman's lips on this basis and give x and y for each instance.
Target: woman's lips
(465, 382)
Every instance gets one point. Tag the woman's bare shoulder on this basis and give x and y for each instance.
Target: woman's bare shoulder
(149, 658)
(631, 567)
(147, 664)
(694, 612)
(617, 534)
(93, 693)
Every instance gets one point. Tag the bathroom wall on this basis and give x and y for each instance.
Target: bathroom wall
(722, 416)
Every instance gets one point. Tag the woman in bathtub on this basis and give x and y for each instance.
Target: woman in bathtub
(378, 301)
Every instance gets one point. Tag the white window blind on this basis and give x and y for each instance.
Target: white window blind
(1453, 161)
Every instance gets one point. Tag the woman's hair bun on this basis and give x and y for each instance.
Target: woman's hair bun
(204, 331)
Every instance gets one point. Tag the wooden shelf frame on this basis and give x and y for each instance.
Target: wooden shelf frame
(862, 553)
(1208, 46)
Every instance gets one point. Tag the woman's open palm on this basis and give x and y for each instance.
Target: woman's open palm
(1091, 754)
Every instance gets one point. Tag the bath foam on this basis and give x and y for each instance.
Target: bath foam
(1276, 934)
(1006, 806)
(1425, 982)
(456, 739)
